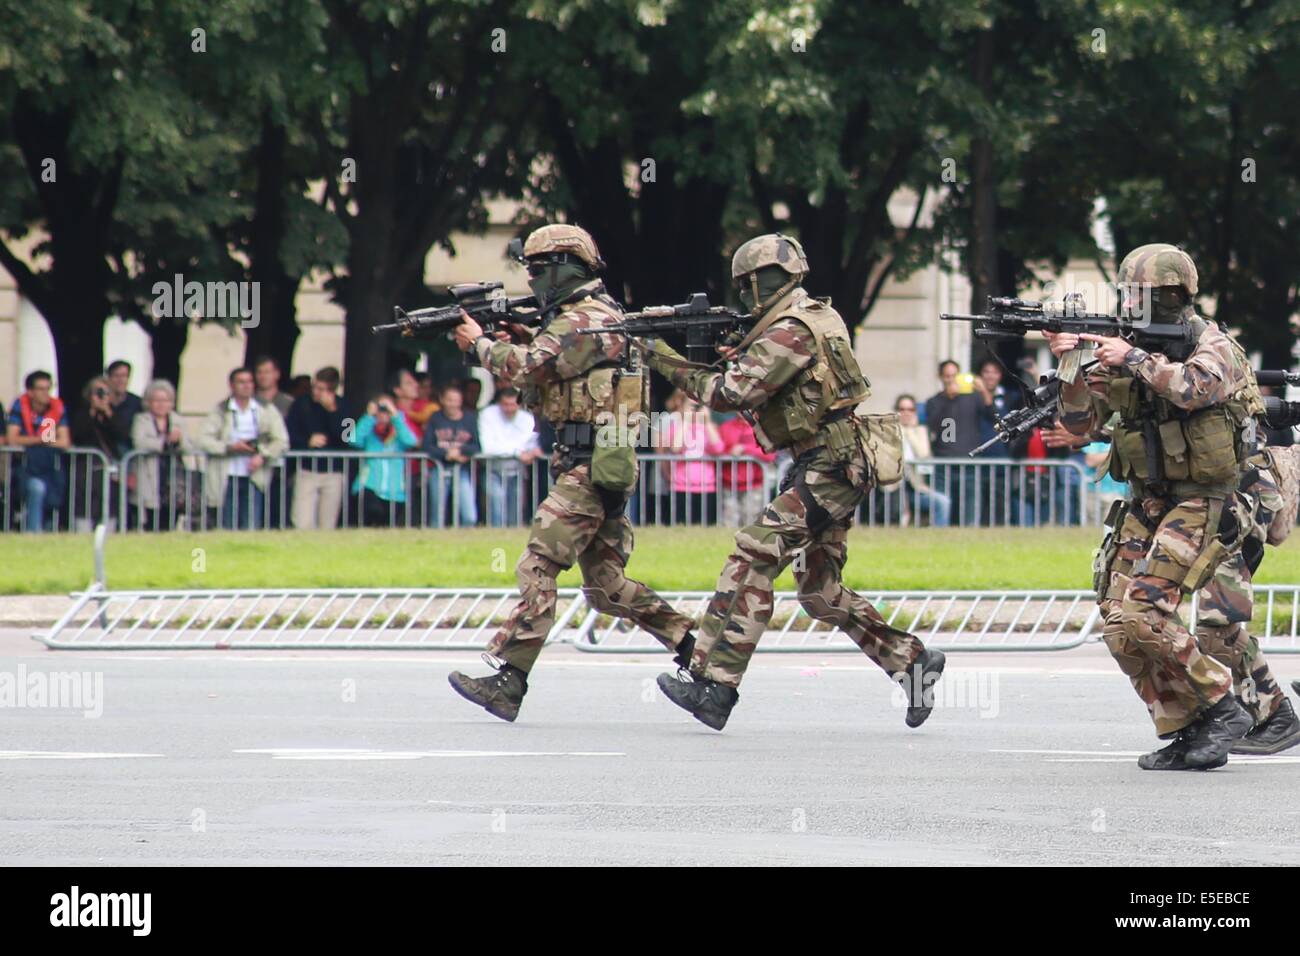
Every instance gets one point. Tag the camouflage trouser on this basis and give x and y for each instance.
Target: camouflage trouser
(806, 527)
(1159, 541)
(571, 526)
(1225, 608)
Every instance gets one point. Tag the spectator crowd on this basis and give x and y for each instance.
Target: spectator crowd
(428, 455)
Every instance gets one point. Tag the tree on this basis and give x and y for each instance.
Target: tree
(1210, 162)
(832, 110)
(628, 159)
(424, 128)
(115, 149)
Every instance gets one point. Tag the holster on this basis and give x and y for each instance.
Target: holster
(1104, 557)
(815, 516)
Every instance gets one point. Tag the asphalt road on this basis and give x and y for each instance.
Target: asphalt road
(368, 758)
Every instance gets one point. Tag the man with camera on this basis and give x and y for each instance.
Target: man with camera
(242, 439)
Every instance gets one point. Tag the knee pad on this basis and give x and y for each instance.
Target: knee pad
(819, 608)
(1226, 644)
(536, 572)
(598, 599)
(1130, 659)
(1145, 628)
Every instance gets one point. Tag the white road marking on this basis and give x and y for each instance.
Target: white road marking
(65, 755)
(351, 753)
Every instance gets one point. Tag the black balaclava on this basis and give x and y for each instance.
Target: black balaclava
(556, 281)
(770, 280)
(1169, 305)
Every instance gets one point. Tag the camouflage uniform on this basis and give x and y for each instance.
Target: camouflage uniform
(1227, 602)
(578, 521)
(807, 523)
(1173, 536)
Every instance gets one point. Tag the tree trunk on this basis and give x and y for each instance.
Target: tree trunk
(73, 294)
(167, 341)
(276, 332)
(983, 265)
(77, 326)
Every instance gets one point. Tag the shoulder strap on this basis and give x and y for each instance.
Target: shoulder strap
(767, 321)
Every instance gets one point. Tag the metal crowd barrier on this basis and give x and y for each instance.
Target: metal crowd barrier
(465, 618)
(75, 494)
(183, 499)
(302, 618)
(488, 491)
(947, 620)
(961, 492)
(151, 491)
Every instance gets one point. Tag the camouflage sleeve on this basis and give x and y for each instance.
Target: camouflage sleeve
(1084, 408)
(1210, 376)
(556, 353)
(760, 372)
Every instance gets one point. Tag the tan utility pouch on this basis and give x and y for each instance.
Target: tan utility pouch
(629, 394)
(881, 436)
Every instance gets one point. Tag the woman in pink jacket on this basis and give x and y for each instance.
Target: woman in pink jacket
(691, 434)
(743, 494)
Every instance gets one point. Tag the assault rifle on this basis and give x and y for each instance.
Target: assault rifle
(705, 326)
(1008, 319)
(1278, 412)
(1040, 407)
(486, 303)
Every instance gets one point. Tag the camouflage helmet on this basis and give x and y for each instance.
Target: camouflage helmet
(1158, 264)
(563, 238)
(773, 249)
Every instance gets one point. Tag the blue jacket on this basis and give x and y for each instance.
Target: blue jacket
(386, 477)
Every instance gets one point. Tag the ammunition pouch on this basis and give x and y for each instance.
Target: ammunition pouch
(584, 397)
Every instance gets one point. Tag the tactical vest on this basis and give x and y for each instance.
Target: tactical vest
(832, 382)
(604, 388)
(1155, 442)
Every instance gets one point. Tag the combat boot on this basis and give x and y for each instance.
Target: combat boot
(685, 648)
(918, 682)
(1280, 732)
(1213, 735)
(499, 694)
(1173, 757)
(706, 700)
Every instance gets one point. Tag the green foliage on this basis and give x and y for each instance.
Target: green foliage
(759, 114)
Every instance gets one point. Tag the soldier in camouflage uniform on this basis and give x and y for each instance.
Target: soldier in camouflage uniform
(795, 378)
(578, 383)
(1226, 604)
(1185, 422)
